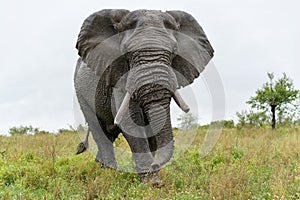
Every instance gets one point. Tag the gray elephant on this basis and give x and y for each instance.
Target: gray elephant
(130, 67)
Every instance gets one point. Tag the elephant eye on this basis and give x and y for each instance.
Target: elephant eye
(131, 24)
(171, 25)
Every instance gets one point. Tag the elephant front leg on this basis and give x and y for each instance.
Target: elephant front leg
(143, 155)
(140, 153)
(105, 153)
(143, 158)
(105, 146)
(133, 128)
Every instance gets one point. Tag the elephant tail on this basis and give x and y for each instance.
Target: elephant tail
(83, 146)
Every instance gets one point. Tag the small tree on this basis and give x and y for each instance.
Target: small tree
(278, 95)
(187, 121)
(251, 118)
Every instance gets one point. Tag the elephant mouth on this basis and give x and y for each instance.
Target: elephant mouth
(125, 106)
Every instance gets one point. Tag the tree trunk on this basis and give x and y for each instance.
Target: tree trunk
(273, 116)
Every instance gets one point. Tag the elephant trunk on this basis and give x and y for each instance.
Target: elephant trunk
(155, 103)
(152, 83)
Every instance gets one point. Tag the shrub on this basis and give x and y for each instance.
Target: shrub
(23, 130)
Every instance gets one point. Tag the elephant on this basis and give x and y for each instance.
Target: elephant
(131, 64)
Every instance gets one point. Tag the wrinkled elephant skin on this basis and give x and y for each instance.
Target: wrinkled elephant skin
(130, 67)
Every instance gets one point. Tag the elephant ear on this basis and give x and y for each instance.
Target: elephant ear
(194, 50)
(98, 44)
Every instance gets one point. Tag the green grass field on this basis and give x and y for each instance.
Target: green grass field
(245, 164)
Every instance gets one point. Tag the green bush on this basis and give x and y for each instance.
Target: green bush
(26, 130)
(221, 123)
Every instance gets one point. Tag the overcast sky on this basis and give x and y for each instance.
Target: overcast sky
(38, 55)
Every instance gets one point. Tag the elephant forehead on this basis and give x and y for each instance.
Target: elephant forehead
(148, 15)
(146, 12)
(148, 37)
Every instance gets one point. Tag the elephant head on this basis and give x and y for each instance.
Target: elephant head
(159, 51)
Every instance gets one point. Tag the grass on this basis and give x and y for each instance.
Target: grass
(245, 164)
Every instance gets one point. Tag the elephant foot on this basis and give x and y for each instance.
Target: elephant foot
(104, 166)
(150, 178)
(155, 181)
(155, 167)
(101, 163)
(108, 162)
(154, 175)
(143, 177)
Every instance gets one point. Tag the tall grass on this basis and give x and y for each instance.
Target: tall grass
(245, 164)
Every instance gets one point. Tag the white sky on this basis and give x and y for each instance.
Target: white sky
(38, 55)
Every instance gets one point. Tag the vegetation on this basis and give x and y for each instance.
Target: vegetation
(246, 163)
(187, 121)
(23, 130)
(275, 96)
(223, 123)
(252, 119)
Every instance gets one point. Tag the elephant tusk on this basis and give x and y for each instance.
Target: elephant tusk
(180, 102)
(123, 109)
